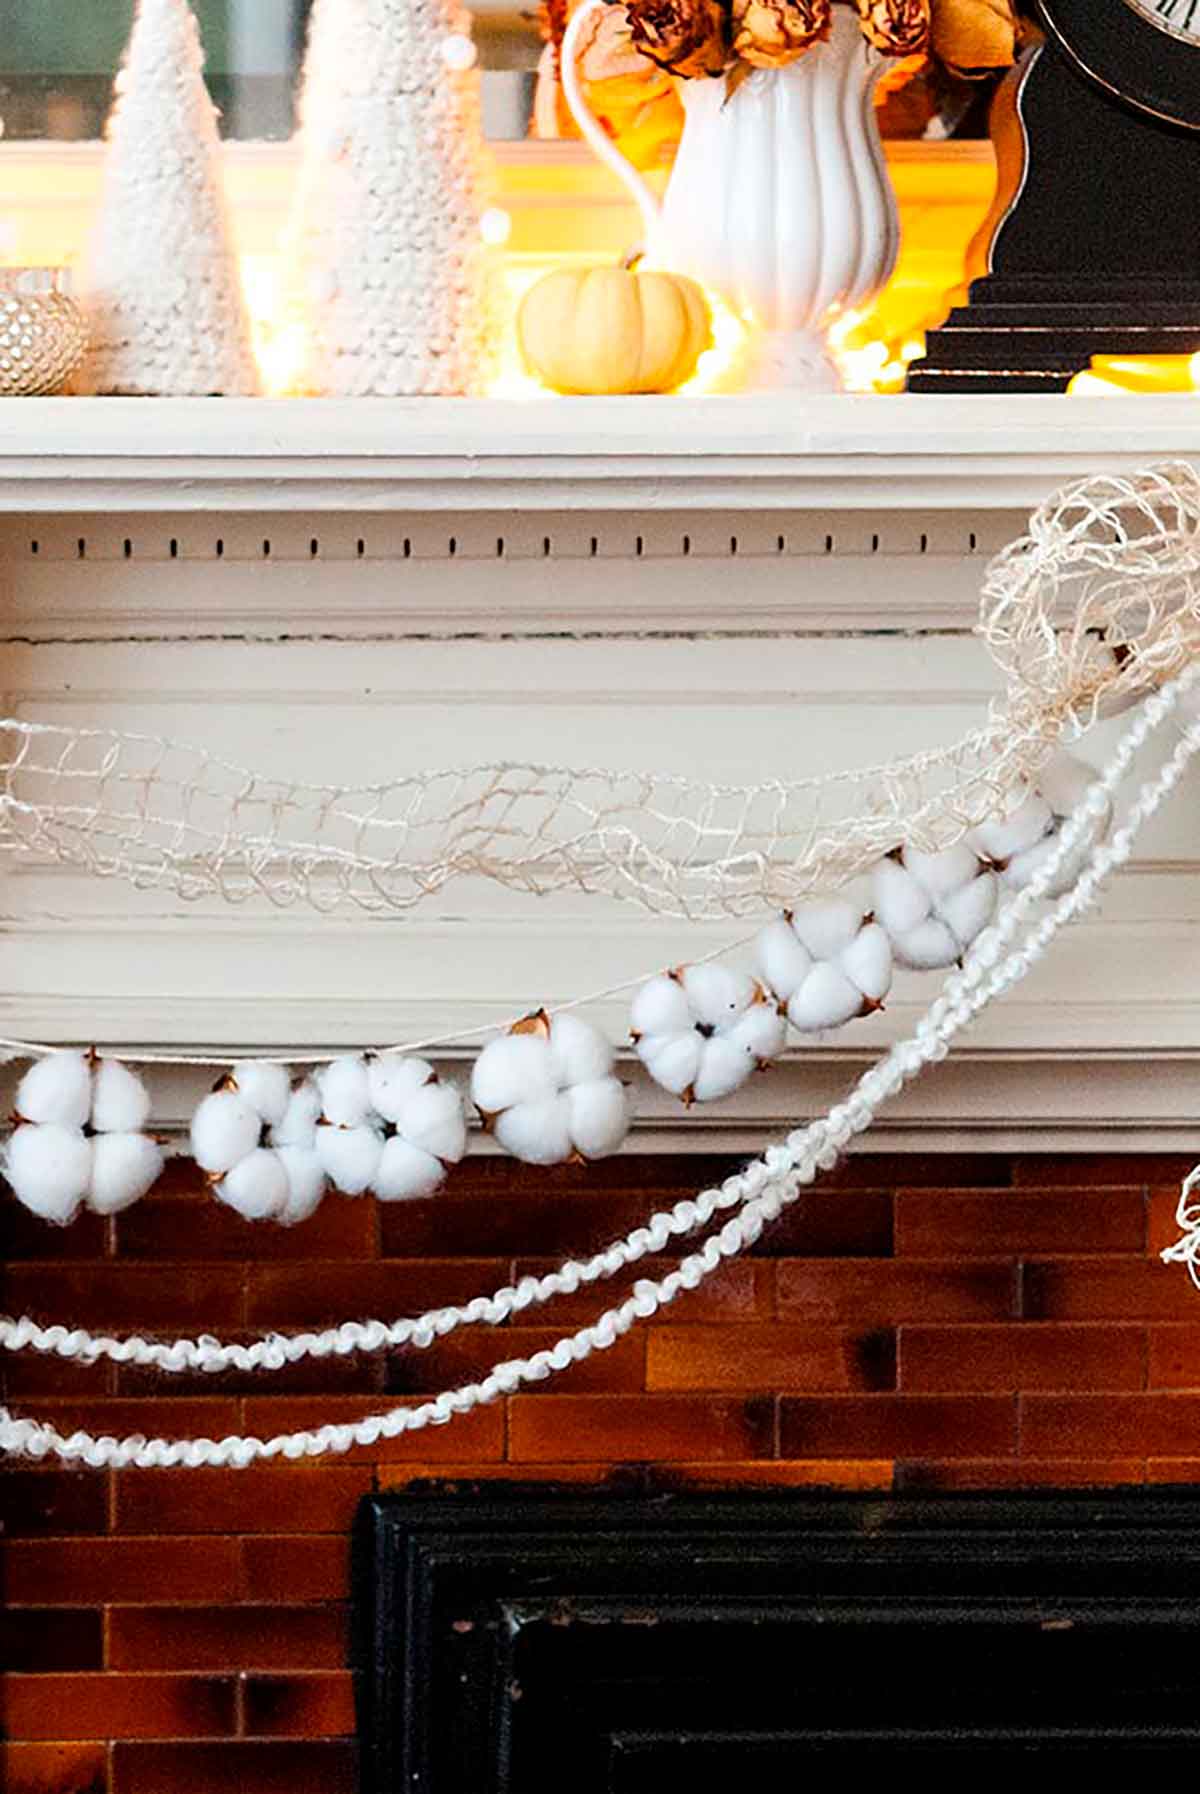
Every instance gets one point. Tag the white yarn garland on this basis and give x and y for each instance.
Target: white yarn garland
(765, 1187)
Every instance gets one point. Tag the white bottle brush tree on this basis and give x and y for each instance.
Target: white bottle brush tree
(389, 258)
(164, 298)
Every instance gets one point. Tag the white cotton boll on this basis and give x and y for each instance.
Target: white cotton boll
(120, 1099)
(406, 1174)
(868, 962)
(225, 1129)
(724, 1068)
(266, 1087)
(761, 1032)
(125, 1167)
(49, 1168)
(1065, 781)
(783, 960)
(537, 1132)
(901, 904)
(827, 929)
(433, 1120)
(392, 1080)
(827, 999)
(660, 1006)
(350, 1156)
(969, 911)
(580, 1052)
(306, 1183)
(598, 1117)
(345, 1091)
(257, 1187)
(940, 874)
(931, 947)
(298, 1126)
(1005, 836)
(516, 1068)
(57, 1089)
(717, 994)
(673, 1060)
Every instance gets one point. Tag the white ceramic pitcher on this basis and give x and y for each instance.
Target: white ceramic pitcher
(779, 200)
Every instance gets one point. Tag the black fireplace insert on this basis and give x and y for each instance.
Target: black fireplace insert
(514, 1643)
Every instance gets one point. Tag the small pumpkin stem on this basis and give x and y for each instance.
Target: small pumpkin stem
(634, 258)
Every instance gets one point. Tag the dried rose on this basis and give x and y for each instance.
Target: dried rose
(770, 33)
(688, 37)
(897, 27)
(607, 51)
(969, 35)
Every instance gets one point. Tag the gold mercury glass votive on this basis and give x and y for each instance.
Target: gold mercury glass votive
(43, 335)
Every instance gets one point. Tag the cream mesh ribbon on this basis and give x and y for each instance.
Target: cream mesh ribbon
(1098, 604)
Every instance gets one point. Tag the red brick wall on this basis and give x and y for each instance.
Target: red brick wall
(932, 1323)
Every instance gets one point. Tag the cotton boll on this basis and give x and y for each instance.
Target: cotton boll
(57, 1089)
(306, 1183)
(827, 929)
(266, 1087)
(724, 1068)
(901, 904)
(660, 1006)
(598, 1117)
(433, 1120)
(826, 999)
(868, 962)
(580, 1053)
(537, 1132)
(761, 1033)
(299, 1124)
(125, 1167)
(120, 1100)
(257, 1187)
(1005, 836)
(930, 948)
(514, 1069)
(49, 1168)
(406, 1174)
(350, 1156)
(940, 874)
(673, 1060)
(782, 958)
(392, 1080)
(969, 911)
(716, 994)
(345, 1091)
(225, 1129)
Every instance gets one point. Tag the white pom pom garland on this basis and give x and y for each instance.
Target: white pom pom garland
(549, 1093)
(701, 1030)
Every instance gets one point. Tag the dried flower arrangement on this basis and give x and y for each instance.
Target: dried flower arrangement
(695, 38)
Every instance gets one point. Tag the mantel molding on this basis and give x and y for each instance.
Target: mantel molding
(74, 456)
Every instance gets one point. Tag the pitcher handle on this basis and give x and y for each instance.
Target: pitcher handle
(594, 134)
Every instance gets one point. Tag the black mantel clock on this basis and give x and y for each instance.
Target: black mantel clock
(1093, 245)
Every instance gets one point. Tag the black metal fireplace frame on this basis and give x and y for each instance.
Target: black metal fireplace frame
(512, 1641)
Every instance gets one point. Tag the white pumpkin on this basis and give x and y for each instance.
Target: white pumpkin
(701, 1031)
(933, 905)
(549, 1093)
(827, 963)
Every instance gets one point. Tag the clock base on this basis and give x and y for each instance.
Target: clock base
(1031, 333)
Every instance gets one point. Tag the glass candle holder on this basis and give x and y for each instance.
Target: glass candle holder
(43, 336)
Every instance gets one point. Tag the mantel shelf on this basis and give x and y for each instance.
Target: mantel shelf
(74, 456)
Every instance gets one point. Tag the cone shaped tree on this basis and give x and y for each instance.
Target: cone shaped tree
(391, 264)
(162, 290)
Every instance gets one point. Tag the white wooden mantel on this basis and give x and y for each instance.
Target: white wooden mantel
(726, 587)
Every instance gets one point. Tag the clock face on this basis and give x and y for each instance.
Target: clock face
(1146, 53)
(1179, 18)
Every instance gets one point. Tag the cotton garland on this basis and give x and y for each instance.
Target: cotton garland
(384, 1123)
(764, 1189)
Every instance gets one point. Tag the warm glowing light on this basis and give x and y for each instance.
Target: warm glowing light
(459, 53)
(280, 340)
(868, 361)
(495, 226)
(1116, 376)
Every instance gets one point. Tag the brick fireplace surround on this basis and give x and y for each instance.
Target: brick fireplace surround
(932, 1323)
